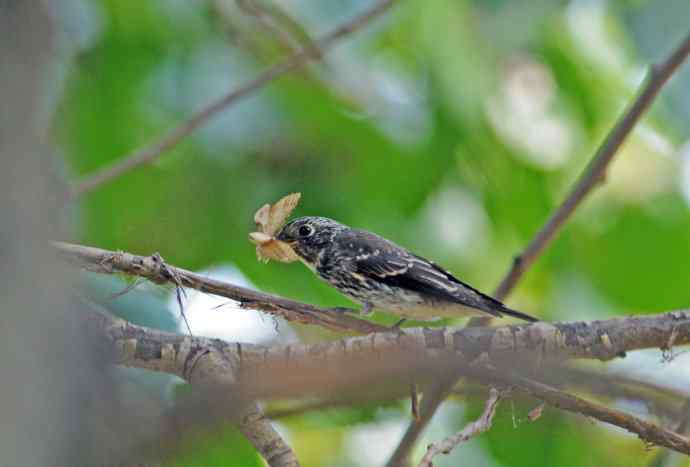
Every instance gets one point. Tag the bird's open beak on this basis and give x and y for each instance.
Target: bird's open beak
(283, 237)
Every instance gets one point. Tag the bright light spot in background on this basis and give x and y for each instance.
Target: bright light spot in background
(574, 297)
(222, 318)
(684, 156)
(647, 365)
(589, 26)
(182, 87)
(643, 169)
(456, 221)
(384, 92)
(522, 113)
(373, 443)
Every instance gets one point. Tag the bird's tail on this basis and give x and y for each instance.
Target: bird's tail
(518, 314)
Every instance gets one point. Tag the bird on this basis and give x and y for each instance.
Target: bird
(378, 273)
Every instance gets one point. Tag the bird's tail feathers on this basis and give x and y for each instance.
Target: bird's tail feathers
(518, 314)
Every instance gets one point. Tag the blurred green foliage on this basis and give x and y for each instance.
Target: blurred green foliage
(452, 127)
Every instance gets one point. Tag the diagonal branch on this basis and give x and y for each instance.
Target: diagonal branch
(150, 153)
(258, 430)
(152, 268)
(647, 431)
(593, 174)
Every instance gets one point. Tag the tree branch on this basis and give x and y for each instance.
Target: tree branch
(150, 153)
(154, 269)
(481, 425)
(647, 431)
(258, 430)
(202, 363)
(539, 343)
(593, 174)
(299, 370)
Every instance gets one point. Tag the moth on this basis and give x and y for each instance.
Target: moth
(269, 219)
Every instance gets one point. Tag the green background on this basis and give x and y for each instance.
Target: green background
(451, 127)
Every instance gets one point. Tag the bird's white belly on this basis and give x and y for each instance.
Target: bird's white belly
(411, 305)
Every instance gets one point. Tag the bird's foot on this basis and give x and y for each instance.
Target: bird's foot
(341, 309)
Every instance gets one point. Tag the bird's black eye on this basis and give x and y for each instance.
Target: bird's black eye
(305, 231)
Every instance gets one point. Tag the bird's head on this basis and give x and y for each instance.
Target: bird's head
(308, 236)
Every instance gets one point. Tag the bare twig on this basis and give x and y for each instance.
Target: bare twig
(271, 22)
(433, 396)
(645, 430)
(482, 424)
(593, 174)
(154, 269)
(150, 153)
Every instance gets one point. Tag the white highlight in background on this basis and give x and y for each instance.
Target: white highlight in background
(222, 318)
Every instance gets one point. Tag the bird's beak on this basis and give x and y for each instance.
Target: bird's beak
(284, 237)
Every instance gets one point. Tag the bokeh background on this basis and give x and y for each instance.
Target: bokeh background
(453, 127)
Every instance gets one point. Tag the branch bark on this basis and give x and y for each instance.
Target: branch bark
(203, 363)
(647, 431)
(258, 430)
(150, 153)
(353, 360)
(154, 269)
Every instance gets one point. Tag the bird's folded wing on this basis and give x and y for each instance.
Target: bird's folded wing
(416, 274)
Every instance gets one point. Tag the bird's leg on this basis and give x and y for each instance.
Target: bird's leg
(368, 309)
(397, 325)
(342, 309)
(414, 401)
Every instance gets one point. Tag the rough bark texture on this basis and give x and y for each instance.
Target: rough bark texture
(252, 371)
(259, 431)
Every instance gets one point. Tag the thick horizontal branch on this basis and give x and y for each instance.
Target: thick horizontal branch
(539, 342)
(299, 370)
(155, 269)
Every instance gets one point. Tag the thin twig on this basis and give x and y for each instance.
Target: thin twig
(593, 174)
(481, 425)
(180, 293)
(271, 22)
(645, 430)
(150, 153)
(154, 269)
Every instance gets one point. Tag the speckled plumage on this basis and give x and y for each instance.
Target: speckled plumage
(380, 274)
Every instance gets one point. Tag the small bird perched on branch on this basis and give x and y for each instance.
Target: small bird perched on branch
(380, 274)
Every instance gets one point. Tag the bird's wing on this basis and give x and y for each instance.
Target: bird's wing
(397, 268)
